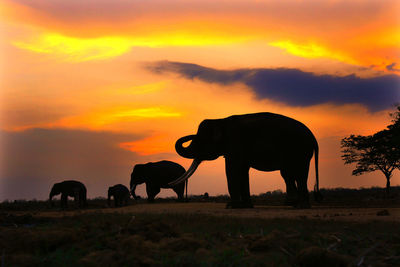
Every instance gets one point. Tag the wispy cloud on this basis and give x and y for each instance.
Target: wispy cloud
(295, 87)
(76, 49)
(97, 120)
(103, 29)
(154, 144)
(311, 50)
(393, 67)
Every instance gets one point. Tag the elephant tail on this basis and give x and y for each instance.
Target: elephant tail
(186, 186)
(317, 194)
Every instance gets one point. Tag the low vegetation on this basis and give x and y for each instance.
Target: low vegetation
(339, 197)
(99, 238)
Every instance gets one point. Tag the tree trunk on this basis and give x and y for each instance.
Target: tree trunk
(387, 185)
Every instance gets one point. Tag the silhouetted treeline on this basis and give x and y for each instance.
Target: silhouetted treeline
(340, 197)
(363, 197)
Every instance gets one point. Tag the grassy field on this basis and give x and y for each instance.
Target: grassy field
(201, 233)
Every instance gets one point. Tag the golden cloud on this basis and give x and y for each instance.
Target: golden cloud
(154, 144)
(75, 49)
(311, 50)
(99, 119)
(102, 119)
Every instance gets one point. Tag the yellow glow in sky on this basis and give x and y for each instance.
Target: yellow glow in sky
(77, 49)
(142, 89)
(145, 113)
(150, 145)
(99, 119)
(78, 70)
(84, 49)
(310, 50)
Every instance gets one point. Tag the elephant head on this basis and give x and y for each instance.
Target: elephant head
(55, 190)
(138, 176)
(207, 144)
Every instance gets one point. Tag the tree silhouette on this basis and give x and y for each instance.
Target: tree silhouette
(380, 151)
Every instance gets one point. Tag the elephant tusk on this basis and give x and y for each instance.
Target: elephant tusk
(187, 174)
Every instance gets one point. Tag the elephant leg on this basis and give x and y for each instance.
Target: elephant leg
(301, 179)
(152, 191)
(121, 200)
(291, 188)
(245, 188)
(82, 200)
(179, 190)
(126, 200)
(64, 201)
(116, 200)
(77, 199)
(233, 183)
(237, 174)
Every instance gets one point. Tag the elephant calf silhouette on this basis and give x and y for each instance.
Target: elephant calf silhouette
(69, 188)
(120, 193)
(263, 141)
(157, 175)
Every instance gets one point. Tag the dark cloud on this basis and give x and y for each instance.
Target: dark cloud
(392, 67)
(33, 160)
(295, 87)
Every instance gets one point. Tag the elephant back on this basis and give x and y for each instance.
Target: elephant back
(165, 171)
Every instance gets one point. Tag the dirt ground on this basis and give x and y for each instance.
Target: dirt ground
(265, 212)
(199, 234)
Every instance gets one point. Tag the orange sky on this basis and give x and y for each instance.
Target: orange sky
(75, 74)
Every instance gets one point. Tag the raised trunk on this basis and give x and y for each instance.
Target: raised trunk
(187, 174)
(187, 152)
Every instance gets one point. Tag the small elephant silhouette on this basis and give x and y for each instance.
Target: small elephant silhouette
(120, 193)
(69, 188)
(157, 175)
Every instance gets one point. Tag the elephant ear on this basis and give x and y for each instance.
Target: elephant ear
(218, 133)
(214, 131)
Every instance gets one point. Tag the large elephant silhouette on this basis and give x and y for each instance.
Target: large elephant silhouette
(69, 188)
(120, 193)
(263, 141)
(157, 175)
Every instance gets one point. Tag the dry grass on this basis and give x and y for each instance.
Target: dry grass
(364, 231)
(158, 235)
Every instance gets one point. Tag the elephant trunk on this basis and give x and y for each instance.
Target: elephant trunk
(187, 174)
(182, 151)
(51, 199)
(109, 199)
(133, 188)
